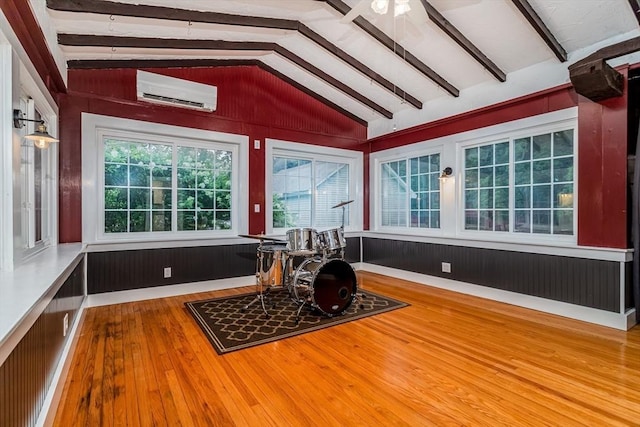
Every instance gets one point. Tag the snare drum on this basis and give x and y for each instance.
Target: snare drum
(332, 240)
(272, 261)
(302, 241)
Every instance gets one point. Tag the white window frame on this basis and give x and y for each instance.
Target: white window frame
(96, 127)
(354, 159)
(537, 125)
(25, 245)
(393, 155)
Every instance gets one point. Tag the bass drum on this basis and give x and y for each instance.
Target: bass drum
(328, 285)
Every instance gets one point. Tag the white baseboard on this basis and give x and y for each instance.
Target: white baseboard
(120, 297)
(621, 321)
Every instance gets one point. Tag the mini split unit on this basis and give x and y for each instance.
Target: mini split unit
(165, 90)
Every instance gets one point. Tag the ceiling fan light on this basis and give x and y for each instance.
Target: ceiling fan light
(380, 6)
(401, 7)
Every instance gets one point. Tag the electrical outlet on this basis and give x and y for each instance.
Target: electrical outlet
(167, 272)
(256, 144)
(256, 208)
(65, 324)
(446, 267)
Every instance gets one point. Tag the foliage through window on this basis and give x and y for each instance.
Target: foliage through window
(524, 185)
(410, 192)
(140, 194)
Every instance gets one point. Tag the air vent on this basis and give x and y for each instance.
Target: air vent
(165, 90)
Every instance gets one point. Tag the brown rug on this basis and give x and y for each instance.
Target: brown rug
(229, 327)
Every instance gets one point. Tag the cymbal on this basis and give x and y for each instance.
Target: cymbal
(342, 204)
(260, 237)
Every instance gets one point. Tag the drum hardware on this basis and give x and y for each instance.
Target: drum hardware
(271, 269)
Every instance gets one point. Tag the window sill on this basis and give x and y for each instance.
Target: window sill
(27, 290)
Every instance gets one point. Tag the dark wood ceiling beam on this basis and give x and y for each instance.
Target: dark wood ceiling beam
(635, 6)
(154, 43)
(538, 24)
(184, 63)
(309, 33)
(157, 12)
(615, 50)
(103, 7)
(390, 44)
(449, 29)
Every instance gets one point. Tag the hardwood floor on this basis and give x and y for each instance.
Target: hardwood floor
(448, 359)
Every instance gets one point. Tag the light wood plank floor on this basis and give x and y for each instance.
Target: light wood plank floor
(448, 359)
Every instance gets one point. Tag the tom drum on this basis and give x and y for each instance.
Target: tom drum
(332, 240)
(302, 241)
(272, 260)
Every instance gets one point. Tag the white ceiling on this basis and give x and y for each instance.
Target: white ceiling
(496, 27)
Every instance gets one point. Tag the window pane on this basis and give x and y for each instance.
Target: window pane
(471, 157)
(115, 222)
(541, 221)
(541, 146)
(563, 169)
(139, 176)
(541, 171)
(140, 198)
(486, 198)
(292, 185)
(501, 198)
(471, 178)
(115, 174)
(116, 198)
(502, 176)
(563, 222)
(563, 143)
(139, 221)
(116, 151)
(522, 197)
(541, 196)
(471, 199)
(522, 149)
(486, 177)
(522, 173)
(471, 220)
(186, 220)
(486, 155)
(563, 196)
(522, 221)
(486, 220)
(502, 153)
(161, 221)
(502, 220)
(161, 176)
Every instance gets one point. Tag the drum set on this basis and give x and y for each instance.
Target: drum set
(310, 265)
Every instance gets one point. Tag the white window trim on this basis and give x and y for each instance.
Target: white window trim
(403, 153)
(316, 152)
(451, 190)
(95, 127)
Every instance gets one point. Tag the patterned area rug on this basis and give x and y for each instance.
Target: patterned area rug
(230, 327)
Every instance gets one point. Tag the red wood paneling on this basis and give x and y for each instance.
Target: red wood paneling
(251, 102)
(519, 108)
(602, 171)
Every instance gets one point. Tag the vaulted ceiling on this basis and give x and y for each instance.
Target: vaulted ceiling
(441, 58)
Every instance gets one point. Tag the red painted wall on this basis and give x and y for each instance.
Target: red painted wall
(602, 171)
(251, 102)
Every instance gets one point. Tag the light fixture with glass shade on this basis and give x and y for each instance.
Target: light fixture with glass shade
(40, 137)
(381, 7)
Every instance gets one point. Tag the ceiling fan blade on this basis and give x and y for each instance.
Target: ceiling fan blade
(357, 10)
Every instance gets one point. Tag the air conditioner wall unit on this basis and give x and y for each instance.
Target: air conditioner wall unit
(159, 89)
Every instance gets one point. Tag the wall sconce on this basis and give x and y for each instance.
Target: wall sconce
(446, 173)
(40, 137)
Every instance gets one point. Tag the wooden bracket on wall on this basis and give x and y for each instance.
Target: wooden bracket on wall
(596, 80)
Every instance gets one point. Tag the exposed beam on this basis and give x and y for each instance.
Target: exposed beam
(615, 50)
(449, 29)
(158, 12)
(390, 44)
(635, 6)
(191, 63)
(155, 43)
(538, 24)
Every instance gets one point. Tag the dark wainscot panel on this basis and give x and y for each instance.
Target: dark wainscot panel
(26, 375)
(585, 282)
(144, 268)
